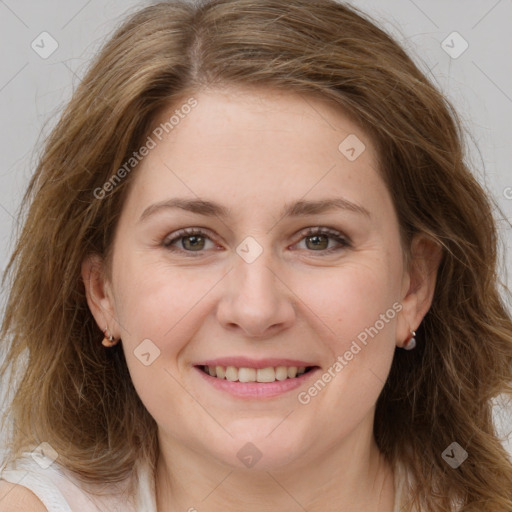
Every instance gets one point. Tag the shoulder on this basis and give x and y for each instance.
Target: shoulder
(31, 484)
(14, 497)
(47, 486)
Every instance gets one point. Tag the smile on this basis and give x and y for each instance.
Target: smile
(250, 379)
(263, 375)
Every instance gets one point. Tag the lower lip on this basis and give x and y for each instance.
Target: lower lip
(257, 389)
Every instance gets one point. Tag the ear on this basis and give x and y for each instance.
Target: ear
(99, 294)
(418, 285)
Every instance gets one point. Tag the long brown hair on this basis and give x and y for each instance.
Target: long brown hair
(79, 398)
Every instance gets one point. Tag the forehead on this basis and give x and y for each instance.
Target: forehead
(257, 148)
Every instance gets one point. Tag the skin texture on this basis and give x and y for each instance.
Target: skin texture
(15, 497)
(255, 151)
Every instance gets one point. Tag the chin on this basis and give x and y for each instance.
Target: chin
(258, 446)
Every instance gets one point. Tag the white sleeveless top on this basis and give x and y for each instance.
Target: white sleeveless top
(59, 491)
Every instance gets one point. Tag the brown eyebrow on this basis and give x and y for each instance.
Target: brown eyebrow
(296, 209)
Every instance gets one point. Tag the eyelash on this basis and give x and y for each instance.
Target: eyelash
(184, 233)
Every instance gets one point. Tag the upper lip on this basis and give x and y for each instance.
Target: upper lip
(246, 362)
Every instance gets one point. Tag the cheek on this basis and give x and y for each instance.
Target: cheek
(159, 309)
(154, 299)
(350, 298)
(356, 307)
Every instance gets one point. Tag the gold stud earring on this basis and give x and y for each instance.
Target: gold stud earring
(108, 340)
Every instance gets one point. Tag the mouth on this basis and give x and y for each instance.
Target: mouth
(268, 374)
(249, 379)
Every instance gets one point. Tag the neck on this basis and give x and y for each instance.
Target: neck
(349, 477)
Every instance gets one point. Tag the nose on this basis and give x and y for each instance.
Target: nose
(256, 300)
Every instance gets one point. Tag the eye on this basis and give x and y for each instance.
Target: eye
(192, 240)
(317, 239)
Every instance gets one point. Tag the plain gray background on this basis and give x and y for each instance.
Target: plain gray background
(34, 90)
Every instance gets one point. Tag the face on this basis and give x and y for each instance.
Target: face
(290, 262)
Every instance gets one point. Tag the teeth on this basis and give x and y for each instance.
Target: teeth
(265, 375)
(247, 375)
(281, 373)
(231, 373)
(269, 374)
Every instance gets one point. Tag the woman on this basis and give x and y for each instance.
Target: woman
(255, 273)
